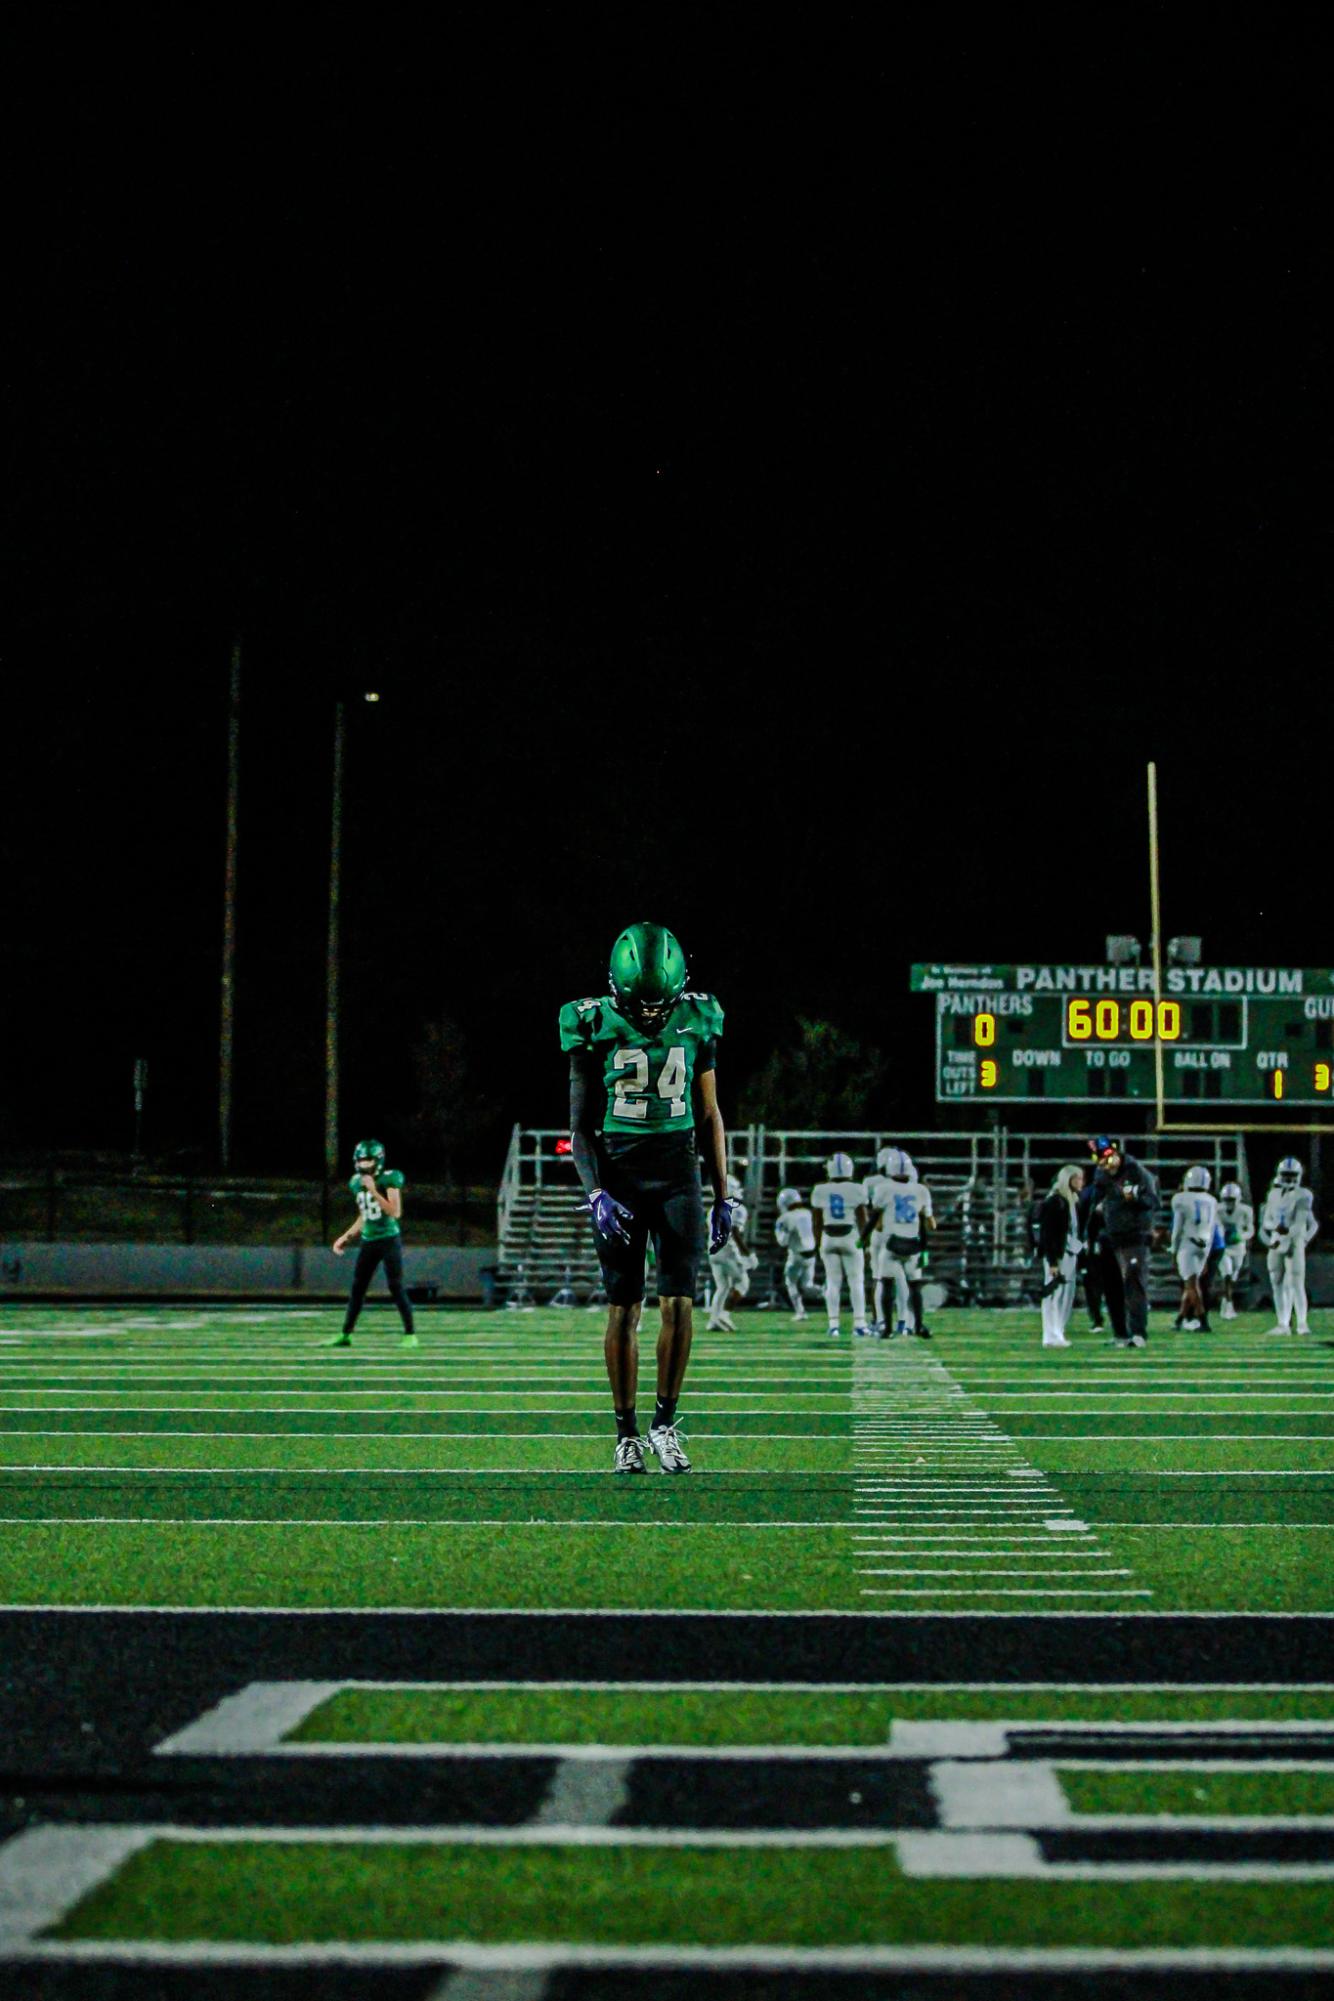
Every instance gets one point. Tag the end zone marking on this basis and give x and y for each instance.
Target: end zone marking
(46, 1870)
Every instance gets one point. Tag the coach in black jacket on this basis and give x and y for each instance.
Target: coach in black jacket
(1127, 1197)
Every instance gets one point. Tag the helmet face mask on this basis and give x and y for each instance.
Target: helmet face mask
(1229, 1193)
(1288, 1173)
(788, 1198)
(368, 1156)
(647, 974)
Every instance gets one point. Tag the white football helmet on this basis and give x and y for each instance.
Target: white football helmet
(1288, 1173)
(1197, 1177)
(839, 1167)
(734, 1189)
(788, 1198)
(897, 1164)
(1230, 1192)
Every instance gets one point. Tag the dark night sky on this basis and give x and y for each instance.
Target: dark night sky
(794, 505)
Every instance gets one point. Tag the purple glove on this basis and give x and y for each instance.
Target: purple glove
(610, 1216)
(720, 1226)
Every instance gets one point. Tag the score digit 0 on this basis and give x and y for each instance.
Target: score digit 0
(984, 1030)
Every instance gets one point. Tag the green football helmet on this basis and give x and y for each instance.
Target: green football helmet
(368, 1156)
(647, 973)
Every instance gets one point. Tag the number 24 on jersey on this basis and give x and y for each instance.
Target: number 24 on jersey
(632, 1083)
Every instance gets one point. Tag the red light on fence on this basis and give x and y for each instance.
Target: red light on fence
(564, 1146)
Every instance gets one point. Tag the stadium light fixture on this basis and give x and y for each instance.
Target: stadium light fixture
(1123, 951)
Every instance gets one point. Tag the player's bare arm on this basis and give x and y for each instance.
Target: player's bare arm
(712, 1133)
(583, 1095)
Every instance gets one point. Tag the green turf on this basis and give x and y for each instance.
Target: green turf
(199, 1456)
(1189, 1790)
(534, 1715)
(282, 1891)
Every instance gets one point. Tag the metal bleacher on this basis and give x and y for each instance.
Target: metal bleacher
(982, 1184)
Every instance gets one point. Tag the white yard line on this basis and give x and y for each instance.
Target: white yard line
(668, 1960)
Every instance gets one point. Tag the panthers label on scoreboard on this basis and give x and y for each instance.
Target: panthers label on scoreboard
(1234, 1035)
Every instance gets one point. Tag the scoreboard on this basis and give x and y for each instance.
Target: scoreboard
(1229, 1035)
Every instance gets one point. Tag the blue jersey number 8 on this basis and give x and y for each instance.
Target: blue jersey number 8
(837, 1209)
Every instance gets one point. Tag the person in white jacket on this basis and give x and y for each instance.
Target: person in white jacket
(1059, 1242)
(1287, 1225)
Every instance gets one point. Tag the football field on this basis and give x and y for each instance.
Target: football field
(959, 1663)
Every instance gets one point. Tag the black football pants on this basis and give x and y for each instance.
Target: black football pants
(1127, 1274)
(386, 1251)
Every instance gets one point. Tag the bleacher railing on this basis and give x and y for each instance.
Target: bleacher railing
(984, 1184)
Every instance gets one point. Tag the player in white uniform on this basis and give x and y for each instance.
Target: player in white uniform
(1237, 1221)
(1194, 1212)
(838, 1212)
(794, 1233)
(901, 1220)
(732, 1266)
(1287, 1225)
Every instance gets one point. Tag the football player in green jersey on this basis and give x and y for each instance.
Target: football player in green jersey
(643, 1060)
(379, 1193)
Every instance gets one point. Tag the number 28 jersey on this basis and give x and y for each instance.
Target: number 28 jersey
(647, 1074)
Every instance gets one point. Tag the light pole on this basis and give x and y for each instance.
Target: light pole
(229, 913)
(331, 953)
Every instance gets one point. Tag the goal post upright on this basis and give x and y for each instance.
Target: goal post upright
(1156, 944)
(1161, 1122)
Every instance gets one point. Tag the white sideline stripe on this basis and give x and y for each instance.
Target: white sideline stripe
(527, 1682)
(668, 1960)
(638, 1612)
(543, 1473)
(382, 1522)
(391, 1437)
(920, 1570)
(952, 1591)
(255, 1719)
(1020, 1548)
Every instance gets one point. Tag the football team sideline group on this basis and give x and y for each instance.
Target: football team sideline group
(644, 1115)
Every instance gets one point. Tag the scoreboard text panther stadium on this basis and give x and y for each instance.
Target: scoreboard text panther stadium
(1230, 1035)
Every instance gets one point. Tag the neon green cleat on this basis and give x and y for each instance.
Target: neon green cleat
(409, 1341)
(336, 1341)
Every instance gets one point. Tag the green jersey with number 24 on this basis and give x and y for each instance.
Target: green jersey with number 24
(648, 1074)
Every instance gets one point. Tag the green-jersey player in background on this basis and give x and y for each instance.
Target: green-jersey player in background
(379, 1194)
(643, 1104)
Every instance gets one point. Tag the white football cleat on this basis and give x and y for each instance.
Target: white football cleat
(1054, 1341)
(1229, 1311)
(834, 1331)
(664, 1441)
(862, 1331)
(801, 1314)
(1278, 1330)
(629, 1456)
